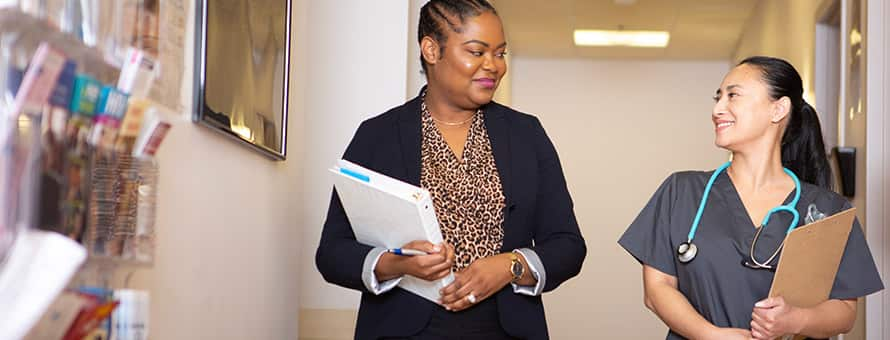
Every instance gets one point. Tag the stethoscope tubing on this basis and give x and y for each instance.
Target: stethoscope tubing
(790, 208)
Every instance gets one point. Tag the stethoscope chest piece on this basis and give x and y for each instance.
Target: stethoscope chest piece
(686, 252)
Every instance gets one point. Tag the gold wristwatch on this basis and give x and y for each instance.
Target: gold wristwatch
(516, 268)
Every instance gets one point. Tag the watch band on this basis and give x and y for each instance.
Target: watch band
(516, 267)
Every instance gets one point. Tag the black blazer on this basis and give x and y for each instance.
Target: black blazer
(539, 216)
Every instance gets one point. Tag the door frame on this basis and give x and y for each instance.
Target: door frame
(878, 159)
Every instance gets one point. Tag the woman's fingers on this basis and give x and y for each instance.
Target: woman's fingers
(469, 295)
(424, 246)
(448, 293)
(471, 290)
(449, 251)
(435, 272)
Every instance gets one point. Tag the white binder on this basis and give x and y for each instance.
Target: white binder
(388, 213)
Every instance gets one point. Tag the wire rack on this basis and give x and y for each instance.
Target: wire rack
(123, 198)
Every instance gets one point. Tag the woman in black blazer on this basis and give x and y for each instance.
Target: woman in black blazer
(497, 187)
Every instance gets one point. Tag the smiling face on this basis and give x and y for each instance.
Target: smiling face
(471, 64)
(744, 113)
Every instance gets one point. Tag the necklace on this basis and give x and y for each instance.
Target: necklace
(424, 109)
(453, 124)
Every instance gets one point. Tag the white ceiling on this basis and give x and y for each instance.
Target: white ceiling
(700, 29)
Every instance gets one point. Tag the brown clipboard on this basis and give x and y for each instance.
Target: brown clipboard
(810, 260)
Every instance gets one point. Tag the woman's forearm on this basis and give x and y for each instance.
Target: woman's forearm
(828, 319)
(674, 309)
(663, 298)
(389, 266)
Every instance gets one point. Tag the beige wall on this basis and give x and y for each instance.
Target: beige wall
(784, 29)
(356, 71)
(416, 79)
(620, 128)
(228, 239)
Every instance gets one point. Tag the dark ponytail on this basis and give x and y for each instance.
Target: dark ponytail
(803, 150)
(438, 15)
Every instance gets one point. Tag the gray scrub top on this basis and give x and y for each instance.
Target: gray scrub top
(716, 282)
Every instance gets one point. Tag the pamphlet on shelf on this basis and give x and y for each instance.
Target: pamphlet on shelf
(110, 110)
(86, 95)
(154, 130)
(132, 124)
(137, 73)
(39, 81)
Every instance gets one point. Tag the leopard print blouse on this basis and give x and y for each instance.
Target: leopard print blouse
(467, 195)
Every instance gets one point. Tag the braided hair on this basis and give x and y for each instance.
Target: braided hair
(436, 15)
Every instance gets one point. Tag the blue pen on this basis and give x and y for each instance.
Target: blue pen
(407, 252)
(356, 175)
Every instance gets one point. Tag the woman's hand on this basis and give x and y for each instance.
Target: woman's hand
(479, 281)
(774, 317)
(436, 265)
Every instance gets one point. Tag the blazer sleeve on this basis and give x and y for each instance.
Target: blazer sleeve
(558, 240)
(339, 257)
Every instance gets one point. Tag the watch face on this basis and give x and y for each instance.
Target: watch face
(517, 269)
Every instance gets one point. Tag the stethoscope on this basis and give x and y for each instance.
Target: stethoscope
(687, 250)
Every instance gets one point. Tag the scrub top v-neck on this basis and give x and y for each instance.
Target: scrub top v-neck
(716, 282)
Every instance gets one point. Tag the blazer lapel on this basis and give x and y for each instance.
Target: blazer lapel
(410, 138)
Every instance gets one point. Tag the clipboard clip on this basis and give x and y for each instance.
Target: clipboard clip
(813, 214)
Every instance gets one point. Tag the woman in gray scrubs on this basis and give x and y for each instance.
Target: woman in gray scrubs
(778, 159)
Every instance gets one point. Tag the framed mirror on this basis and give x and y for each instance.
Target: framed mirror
(242, 58)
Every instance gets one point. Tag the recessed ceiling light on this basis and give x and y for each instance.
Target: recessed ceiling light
(622, 38)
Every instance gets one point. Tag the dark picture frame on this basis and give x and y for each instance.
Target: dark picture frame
(242, 75)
